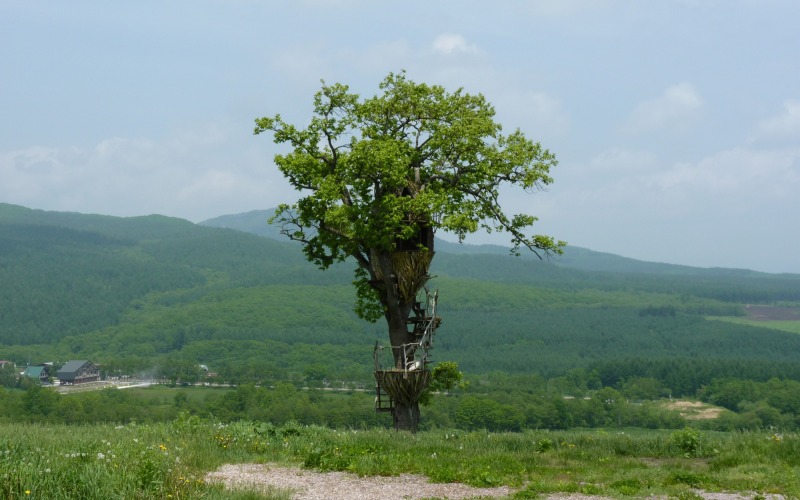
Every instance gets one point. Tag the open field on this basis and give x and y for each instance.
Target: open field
(176, 459)
(792, 326)
(786, 319)
(770, 313)
(694, 410)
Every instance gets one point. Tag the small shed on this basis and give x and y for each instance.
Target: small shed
(38, 372)
(78, 372)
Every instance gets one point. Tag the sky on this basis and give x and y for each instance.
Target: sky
(676, 123)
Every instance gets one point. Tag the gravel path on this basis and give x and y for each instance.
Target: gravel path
(311, 485)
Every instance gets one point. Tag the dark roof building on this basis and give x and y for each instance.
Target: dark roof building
(78, 372)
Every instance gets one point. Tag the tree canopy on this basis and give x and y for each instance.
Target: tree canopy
(379, 173)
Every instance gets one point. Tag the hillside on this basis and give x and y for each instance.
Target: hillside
(163, 295)
(256, 222)
(577, 268)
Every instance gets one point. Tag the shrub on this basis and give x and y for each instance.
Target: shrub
(687, 441)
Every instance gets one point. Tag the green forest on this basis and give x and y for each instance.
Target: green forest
(582, 340)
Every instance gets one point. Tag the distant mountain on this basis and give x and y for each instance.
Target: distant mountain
(577, 268)
(256, 222)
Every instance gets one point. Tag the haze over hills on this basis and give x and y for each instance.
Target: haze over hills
(163, 294)
(256, 222)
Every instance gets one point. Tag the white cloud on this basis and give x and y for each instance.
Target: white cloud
(675, 108)
(733, 208)
(624, 189)
(450, 43)
(782, 126)
(191, 174)
(742, 175)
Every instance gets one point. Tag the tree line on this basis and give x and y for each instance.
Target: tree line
(496, 402)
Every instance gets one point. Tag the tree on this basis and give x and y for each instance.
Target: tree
(8, 375)
(380, 176)
(444, 377)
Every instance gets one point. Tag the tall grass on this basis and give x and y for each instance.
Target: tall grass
(171, 460)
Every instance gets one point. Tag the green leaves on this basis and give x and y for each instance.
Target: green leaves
(378, 171)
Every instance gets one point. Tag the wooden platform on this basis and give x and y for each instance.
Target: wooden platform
(402, 386)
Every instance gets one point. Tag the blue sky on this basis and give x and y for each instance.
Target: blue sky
(676, 122)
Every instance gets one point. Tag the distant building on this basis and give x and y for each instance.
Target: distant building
(38, 372)
(78, 372)
(4, 363)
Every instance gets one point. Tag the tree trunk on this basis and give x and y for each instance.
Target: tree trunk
(406, 418)
(405, 414)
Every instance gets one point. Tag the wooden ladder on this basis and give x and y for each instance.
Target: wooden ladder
(383, 402)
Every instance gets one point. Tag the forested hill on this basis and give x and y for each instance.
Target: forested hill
(577, 268)
(162, 293)
(66, 273)
(256, 222)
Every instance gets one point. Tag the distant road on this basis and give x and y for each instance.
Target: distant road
(104, 384)
(138, 384)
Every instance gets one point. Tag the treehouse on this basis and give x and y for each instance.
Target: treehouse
(401, 371)
(405, 381)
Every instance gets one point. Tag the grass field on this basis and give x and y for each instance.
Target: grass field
(786, 319)
(792, 326)
(171, 460)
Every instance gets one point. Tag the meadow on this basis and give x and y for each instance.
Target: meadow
(171, 460)
(792, 326)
